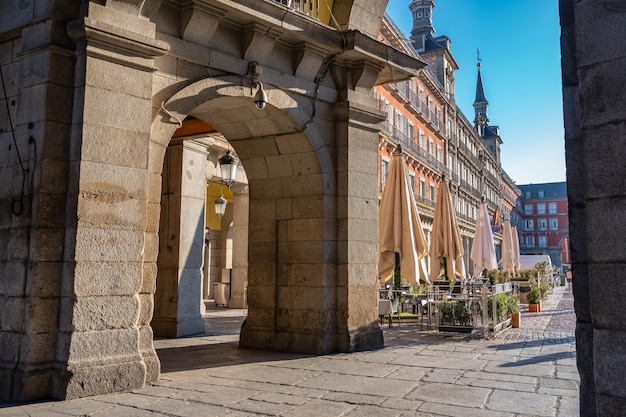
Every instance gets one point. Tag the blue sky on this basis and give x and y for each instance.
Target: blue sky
(521, 69)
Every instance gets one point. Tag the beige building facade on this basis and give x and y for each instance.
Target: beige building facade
(102, 213)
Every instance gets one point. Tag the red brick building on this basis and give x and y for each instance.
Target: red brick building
(545, 221)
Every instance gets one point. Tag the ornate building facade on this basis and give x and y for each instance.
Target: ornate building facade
(438, 140)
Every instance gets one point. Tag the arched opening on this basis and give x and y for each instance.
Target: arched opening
(282, 267)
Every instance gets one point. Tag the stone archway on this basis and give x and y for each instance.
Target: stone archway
(104, 142)
(292, 275)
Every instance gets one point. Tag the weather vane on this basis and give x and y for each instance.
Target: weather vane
(478, 57)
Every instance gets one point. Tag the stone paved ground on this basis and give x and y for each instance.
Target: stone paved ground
(530, 371)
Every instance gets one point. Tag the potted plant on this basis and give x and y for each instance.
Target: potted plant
(534, 297)
(516, 317)
(544, 288)
(455, 316)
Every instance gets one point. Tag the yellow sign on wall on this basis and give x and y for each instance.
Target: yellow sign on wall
(214, 190)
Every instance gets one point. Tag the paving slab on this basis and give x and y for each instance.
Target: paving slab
(430, 409)
(523, 403)
(530, 371)
(450, 394)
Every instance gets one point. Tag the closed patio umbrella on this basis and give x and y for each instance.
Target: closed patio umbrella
(508, 261)
(446, 249)
(483, 253)
(400, 231)
(516, 255)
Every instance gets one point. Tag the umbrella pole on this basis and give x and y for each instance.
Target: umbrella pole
(397, 277)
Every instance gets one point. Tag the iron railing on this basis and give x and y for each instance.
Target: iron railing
(307, 7)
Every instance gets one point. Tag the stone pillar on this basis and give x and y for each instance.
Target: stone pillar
(239, 275)
(101, 312)
(357, 212)
(38, 71)
(178, 294)
(357, 232)
(595, 142)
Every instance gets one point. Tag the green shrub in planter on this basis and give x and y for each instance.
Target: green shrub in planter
(534, 295)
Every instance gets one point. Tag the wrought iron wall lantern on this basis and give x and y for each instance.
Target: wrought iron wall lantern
(228, 168)
(220, 206)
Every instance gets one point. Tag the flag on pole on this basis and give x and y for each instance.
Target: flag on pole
(496, 223)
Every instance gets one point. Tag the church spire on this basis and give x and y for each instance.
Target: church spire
(480, 102)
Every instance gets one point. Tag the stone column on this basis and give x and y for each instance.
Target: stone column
(101, 312)
(239, 275)
(38, 70)
(595, 133)
(178, 294)
(357, 212)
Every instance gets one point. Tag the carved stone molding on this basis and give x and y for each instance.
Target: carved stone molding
(116, 44)
(138, 8)
(200, 21)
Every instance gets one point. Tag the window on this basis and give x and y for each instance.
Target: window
(543, 241)
(384, 170)
(422, 188)
(554, 224)
(439, 154)
(542, 224)
(432, 193)
(431, 146)
(529, 225)
(552, 208)
(530, 241)
(421, 139)
(527, 195)
(528, 208)
(397, 120)
(383, 104)
(410, 131)
(541, 208)
(541, 194)
(411, 84)
(412, 181)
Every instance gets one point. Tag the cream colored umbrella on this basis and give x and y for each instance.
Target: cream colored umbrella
(483, 253)
(446, 249)
(516, 254)
(400, 230)
(508, 261)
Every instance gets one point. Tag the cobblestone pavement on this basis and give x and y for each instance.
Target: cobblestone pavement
(530, 371)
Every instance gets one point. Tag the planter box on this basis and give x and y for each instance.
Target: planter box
(452, 328)
(500, 326)
(534, 308)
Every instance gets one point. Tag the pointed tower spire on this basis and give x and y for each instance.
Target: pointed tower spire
(480, 102)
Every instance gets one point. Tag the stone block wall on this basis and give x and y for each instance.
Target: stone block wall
(593, 62)
(37, 65)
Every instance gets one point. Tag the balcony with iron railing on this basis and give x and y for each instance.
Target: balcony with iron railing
(410, 99)
(317, 9)
(423, 109)
(414, 149)
(470, 189)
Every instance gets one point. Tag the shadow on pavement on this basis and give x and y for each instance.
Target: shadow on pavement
(539, 359)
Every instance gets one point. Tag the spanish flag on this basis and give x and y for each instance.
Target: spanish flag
(496, 221)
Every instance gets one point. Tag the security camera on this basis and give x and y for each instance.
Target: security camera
(260, 98)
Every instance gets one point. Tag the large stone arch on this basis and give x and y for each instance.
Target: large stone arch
(105, 138)
(292, 240)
